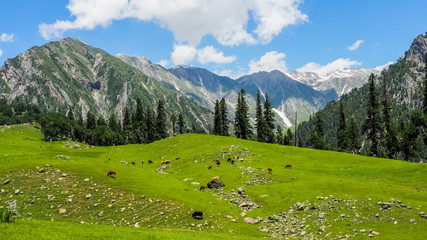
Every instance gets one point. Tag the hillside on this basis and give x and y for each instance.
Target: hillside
(324, 194)
(404, 85)
(70, 73)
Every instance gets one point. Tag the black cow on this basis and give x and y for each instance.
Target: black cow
(197, 215)
(150, 162)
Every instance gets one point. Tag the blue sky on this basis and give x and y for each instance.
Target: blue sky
(230, 37)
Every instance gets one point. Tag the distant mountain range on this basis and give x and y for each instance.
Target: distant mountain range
(70, 73)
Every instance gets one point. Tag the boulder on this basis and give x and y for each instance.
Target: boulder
(215, 183)
(62, 211)
(250, 220)
(6, 182)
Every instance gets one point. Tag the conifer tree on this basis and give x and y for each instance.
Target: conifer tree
(181, 124)
(317, 138)
(260, 123)
(90, 121)
(173, 118)
(70, 114)
(353, 136)
(126, 118)
(112, 123)
(372, 125)
(224, 121)
(242, 126)
(150, 125)
(342, 136)
(279, 135)
(161, 121)
(101, 121)
(139, 113)
(425, 87)
(288, 139)
(269, 120)
(217, 130)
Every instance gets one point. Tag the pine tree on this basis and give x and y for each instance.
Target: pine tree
(372, 125)
(181, 124)
(224, 121)
(217, 130)
(150, 125)
(139, 113)
(112, 123)
(390, 132)
(70, 114)
(353, 136)
(90, 121)
(317, 138)
(279, 134)
(260, 122)
(101, 121)
(161, 132)
(126, 118)
(269, 120)
(342, 136)
(288, 139)
(173, 118)
(242, 126)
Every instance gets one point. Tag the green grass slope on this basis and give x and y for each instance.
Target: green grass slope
(63, 187)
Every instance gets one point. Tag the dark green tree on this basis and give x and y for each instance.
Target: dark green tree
(161, 131)
(425, 87)
(217, 129)
(101, 121)
(139, 113)
(372, 125)
(354, 136)
(342, 133)
(112, 123)
(269, 120)
(150, 124)
(126, 118)
(288, 139)
(317, 138)
(181, 124)
(260, 122)
(241, 121)
(224, 121)
(90, 121)
(70, 114)
(173, 118)
(279, 134)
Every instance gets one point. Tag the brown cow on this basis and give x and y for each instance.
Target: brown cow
(210, 167)
(111, 173)
(202, 188)
(270, 170)
(288, 166)
(217, 162)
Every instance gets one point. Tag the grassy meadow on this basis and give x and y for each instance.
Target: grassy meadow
(62, 190)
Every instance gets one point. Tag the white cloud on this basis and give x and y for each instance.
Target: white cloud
(1, 52)
(270, 61)
(183, 54)
(189, 20)
(7, 37)
(164, 62)
(210, 54)
(385, 66)
(338, 64)
(230, 73)
(355, 45)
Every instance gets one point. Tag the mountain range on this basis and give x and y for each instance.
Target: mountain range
(71, 74)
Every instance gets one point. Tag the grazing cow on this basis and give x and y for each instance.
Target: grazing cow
(197, 215)
(232, 162)
(217, 162)
(150, 162)
(270, 170)
(229, 160)
(111, 173)
(177, 158)
(210, 167)
(202, 188)
(124, 162)
(133, 163)
(142, 162)
(165, 162)
(288, 166)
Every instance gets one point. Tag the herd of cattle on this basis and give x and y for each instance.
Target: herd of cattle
(195, 215)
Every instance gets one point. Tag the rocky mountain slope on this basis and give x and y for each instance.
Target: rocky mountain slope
(342, 81)
(70, 73)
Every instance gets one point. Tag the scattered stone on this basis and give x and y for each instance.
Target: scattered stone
(62, 211)
(110, 205)
(233, 220)
(395, 222)
(88, 196)
(70, 200)
(246, 204)
(50, 197)
(377, 215)
(320, 198)
(17, 191)
(362, 230)
(321, 215)
(101, 214)
(250, 220)
(243, 214)
(136, 225)
(241, 190)
(6, 182)
(322, 228)
(86, 179)
(342, 215)
(264, 230)
(95, 205)
(215, 183)
(12, 205)
(375, 233)
(195, 183)
(422, 213)
(413, 221)
(122, 209)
